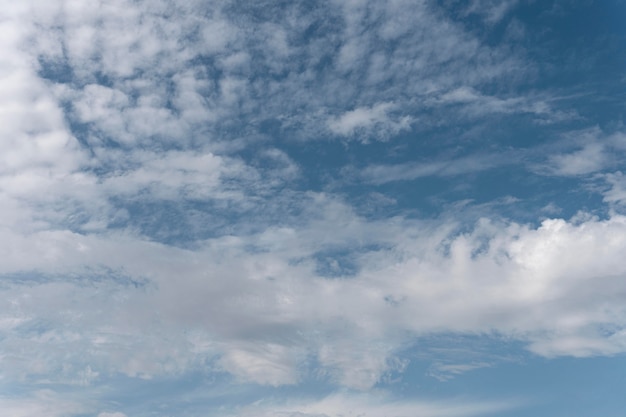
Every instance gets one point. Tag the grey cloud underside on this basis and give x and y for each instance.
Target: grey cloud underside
(260, 314)
(151, 196)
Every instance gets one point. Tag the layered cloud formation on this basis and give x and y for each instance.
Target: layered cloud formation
(272, 194)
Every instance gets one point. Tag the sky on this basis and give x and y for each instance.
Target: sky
(353, 208)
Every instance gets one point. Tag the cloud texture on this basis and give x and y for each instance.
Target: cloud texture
(167, 210)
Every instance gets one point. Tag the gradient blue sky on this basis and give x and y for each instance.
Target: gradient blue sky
(312, 209)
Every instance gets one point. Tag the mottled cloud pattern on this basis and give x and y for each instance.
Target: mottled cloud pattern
(272, 208)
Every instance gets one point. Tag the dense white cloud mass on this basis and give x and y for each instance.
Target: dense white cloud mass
(158, 218)
(263, 312)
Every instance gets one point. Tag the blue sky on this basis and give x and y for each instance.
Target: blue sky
(312, 209)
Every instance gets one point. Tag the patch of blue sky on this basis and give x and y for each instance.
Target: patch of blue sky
(593, 385)
(449, 367)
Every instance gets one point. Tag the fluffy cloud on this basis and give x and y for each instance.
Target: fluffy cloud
(189, 66)
(264, 310)
(366, 120)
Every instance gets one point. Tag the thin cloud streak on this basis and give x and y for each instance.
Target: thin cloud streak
(382, 174)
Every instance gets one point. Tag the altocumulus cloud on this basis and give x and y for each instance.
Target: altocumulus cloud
(174, 204)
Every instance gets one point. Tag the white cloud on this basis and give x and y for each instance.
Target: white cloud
(590, 158)
(41, 403)
(367, 122)
(263, 363)
(616, 194)
(472, 104)
(373, 405)
(594, 150)
(264, 310)
(493, 11)
(255, 297)
(167, 71)
(170, 175)
(125, 102)
(116, 414)
(381, 174)
(446, 371)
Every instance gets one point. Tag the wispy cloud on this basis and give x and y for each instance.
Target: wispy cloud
(447, 371)
(616, 194)
(42, 402)
(586, 152)
(375, 405)
(369, 122)
(491, 10)
(381, 174)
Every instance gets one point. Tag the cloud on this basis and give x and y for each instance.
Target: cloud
(368, 122)
(150, 197)
(267, 364)
(42, 402)
(447, 371)
(374, 405)
(590, 158)
(594, 151)
(196, 67)
(616, 194)
(137, 119)
(381, 174)
(471, 104)
(493, 11)
(262, 310)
